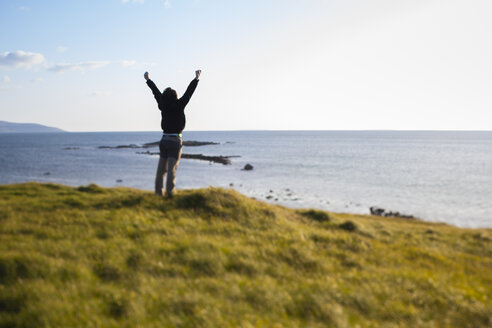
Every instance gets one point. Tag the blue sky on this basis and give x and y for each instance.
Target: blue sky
(314, 64)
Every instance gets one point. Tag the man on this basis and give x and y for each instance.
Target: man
(172, 123)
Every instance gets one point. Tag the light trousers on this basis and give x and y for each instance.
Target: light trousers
(170, 154)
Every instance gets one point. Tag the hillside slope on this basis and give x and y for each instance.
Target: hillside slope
(97, 257)
(9, 127)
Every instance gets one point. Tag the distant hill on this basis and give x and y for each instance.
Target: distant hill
(9, 127)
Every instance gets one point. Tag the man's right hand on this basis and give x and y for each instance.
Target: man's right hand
(197, 73)
(146, 75)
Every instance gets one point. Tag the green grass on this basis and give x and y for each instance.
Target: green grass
(97, 257)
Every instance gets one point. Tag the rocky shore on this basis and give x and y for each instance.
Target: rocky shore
(284, 195)
(382, 212)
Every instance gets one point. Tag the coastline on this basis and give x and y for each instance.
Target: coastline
(375, 212)
(434, 176)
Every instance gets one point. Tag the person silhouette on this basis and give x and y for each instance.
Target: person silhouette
(173, 122)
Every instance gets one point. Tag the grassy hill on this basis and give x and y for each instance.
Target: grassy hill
(96, 257)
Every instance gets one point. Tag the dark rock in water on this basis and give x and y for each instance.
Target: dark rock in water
(382, 212)
(151, 144)
(399, 215)
(216, 159)
(132, 146)
(376, 211)
(231, 184)
(148, 153)
(71, 148)
(190, 143)
(224, 160)
(46, 173)
(247, 167)
(156, 144)
(269, 197)
(119, 181)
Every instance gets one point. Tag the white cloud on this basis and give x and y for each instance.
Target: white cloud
(28, 60)
(60, 68)
(167, 4)
(21, 59)
(128, 63)
(94, 64)
(99, 94)
(22, 8)
(6, 79)
(37, 80)
(134, 1)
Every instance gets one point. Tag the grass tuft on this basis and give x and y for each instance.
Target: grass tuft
(316, 215)
(92, 188)
(348, 226)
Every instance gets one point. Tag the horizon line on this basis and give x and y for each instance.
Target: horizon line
(261, 130)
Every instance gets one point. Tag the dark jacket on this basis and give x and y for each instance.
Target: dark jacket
(172, 111)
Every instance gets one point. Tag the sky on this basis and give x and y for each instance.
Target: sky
(267, 64)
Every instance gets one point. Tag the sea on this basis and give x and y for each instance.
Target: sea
(438, 176)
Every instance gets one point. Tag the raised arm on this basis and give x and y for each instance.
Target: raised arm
(153, 87)
(191, 88)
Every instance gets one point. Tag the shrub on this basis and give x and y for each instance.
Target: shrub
(316, 215)
(348, 226)
(92, 188)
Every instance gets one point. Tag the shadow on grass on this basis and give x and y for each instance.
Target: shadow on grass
(348, 226)
(107, 272)
(315, 215)
(18, 267)
(193, 201)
